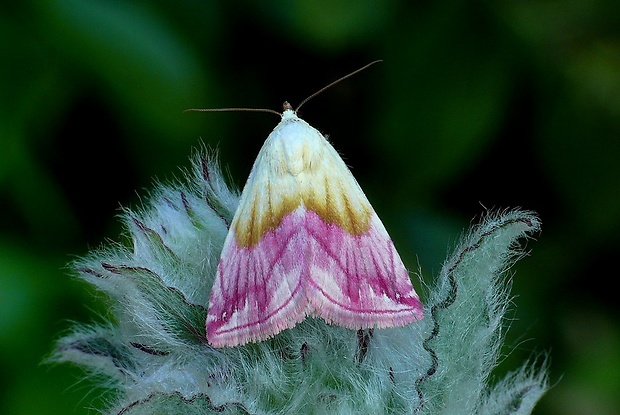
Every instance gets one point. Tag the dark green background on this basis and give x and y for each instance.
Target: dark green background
(477, 105)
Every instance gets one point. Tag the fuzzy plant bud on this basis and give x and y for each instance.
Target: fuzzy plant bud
(154, 354)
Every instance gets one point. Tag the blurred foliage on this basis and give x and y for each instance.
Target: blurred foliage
(477, 105)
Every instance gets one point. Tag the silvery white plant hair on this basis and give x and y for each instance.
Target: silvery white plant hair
(153, 352)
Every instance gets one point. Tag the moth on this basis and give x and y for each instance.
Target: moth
(305, 241)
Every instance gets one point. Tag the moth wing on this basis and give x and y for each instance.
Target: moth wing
(258, 289)
(305, 240)
(359, 281)
(356, 277)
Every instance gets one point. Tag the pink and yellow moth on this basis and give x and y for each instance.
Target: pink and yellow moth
(305, 241)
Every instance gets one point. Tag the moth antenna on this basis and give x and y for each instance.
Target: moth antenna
(286, 105)
(335, 82)
(232, 110)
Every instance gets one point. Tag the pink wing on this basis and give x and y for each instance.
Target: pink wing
(358, 281)
(307, 266)
(259, 291)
